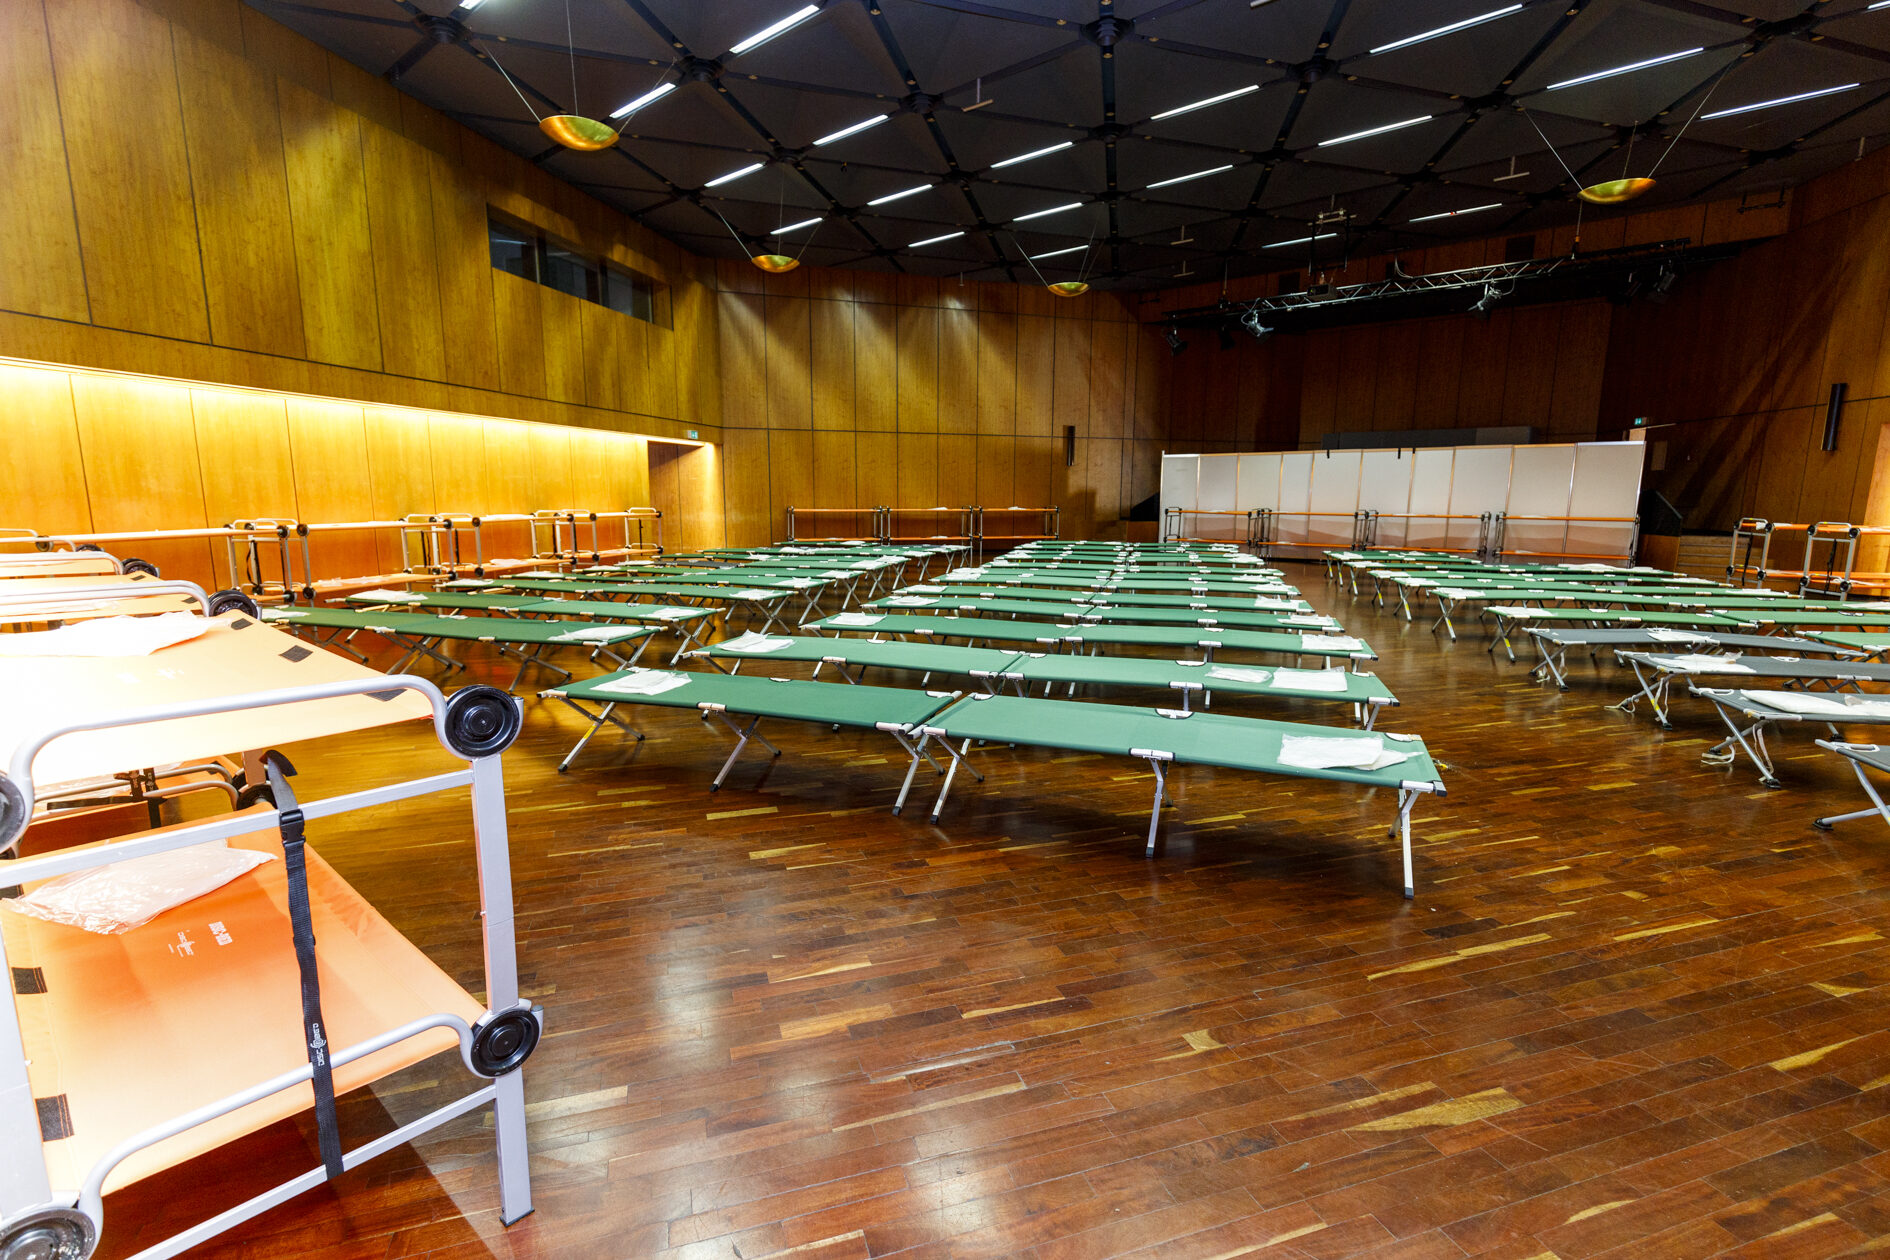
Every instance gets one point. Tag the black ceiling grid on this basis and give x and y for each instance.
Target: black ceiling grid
(1219, 186)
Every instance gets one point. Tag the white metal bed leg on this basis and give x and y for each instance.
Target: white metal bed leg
(958, 759)
(1879, 808)
(1407, 799)
(912, 770)
(1155, 811)
(493, 849)
(508, 1129)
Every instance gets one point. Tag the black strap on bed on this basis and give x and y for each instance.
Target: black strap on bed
(295, 867)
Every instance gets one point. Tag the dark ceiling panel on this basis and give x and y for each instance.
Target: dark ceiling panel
(1047, 78)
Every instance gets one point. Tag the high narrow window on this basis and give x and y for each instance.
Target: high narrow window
(528, 253)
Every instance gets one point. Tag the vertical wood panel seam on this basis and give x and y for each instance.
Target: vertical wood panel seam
(190, 182)
(72, 196)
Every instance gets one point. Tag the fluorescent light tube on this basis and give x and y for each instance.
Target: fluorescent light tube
(763, 36)
(854, 130)
(795, 227)
(1376, 131)
(1182, 179)
(732, 176)
(1038, 214)
(1057, 253)
(933, 240)
(1780, 100)
(467, 6)
(1034, 153)
(1212, 100)
(656, 93)
(912, 191)
(1301, 240)
(1451, 29)
(1638, 65)
(1451, 214)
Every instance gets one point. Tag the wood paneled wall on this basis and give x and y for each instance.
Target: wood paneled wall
(194, 190)
(1538, 366)
(1542, 366)
(96, 452)
(1741, 360)
(855, 389)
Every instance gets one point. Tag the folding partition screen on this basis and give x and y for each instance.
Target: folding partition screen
(1566, 500)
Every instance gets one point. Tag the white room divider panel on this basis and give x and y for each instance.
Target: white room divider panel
(1432, 470)
(1334, 499)
(1540, 480)
(1384, 485)
(1608, 490)
(1430, 497)
(1215, 491)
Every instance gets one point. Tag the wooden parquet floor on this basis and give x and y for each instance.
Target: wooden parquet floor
(1635, 1010)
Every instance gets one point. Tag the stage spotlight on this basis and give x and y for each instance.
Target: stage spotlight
(1172, 336)
(1251, 322)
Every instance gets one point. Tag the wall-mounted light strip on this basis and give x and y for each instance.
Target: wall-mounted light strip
(1212, 100)
(467, 6)
(1627, 69)
(1038, 214)
(1301, 240)
(795, 227)
(1452, 29)
(1034, 153)
(1058, 253)
(656, 93)
(1781, 100)
(1376, 131)
(763, 36)
(854, 130)
(913, 191)
(1182, 179)
(732, 176)
(933, 240)
(1451, 214)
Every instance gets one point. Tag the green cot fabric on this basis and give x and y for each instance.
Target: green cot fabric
(795, 699)
(463, 629)
(1210, 637)
(995, 629)
(1135, 671)
(1853, 639)
(939, 658)
(1201, 738)
(1649, 617)
(442, 599)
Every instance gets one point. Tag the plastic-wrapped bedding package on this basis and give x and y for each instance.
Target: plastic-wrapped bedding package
(124, 895)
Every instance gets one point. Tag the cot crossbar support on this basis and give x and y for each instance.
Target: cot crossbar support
(959, 756)
(1159, 765)
(915, 749)
(1751, 739)
(1876, 802)
(742, 736)
(597, 721)
(1654, 690)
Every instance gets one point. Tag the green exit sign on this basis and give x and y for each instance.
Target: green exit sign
(692, 432)
(1640, 422)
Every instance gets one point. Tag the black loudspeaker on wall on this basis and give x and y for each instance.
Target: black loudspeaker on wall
(1833, 412)
(1069, 446)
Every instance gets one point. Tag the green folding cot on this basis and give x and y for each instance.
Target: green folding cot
(420, 634)
(1553, 645)
(858, 655)
(1869, 646)
(1763, 710)
(1166, 738)
(1510, 616)
(1655, 673)
(689, 622)
(929, 626)
(771, 605)
(897, 711)
(1363, 691)
(1215, 639)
